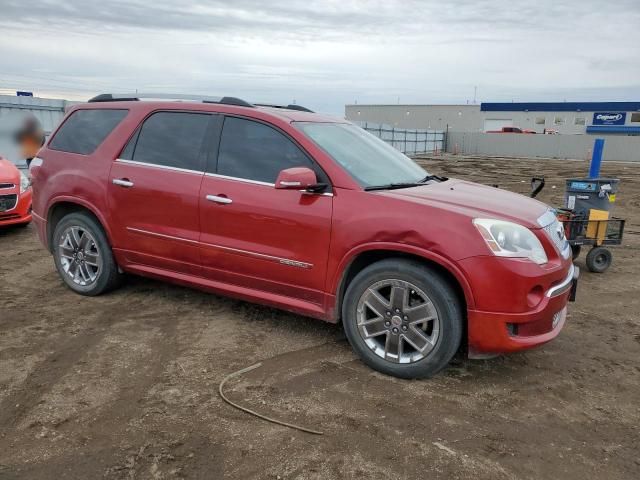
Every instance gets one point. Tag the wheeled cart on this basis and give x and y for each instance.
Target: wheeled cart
(599, 234)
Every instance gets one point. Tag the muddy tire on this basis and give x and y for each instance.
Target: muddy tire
(83, 256)
(403, 318)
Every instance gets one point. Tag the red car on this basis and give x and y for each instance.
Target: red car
(15, 195)
(304, 212)
(512, 130)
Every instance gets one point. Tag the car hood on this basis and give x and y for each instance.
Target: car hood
(475, 201)
(9, 173)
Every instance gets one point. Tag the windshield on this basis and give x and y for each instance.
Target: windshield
(369, 160)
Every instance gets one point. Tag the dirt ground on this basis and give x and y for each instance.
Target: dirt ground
(124, 386)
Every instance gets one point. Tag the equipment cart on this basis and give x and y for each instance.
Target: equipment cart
(599, 234)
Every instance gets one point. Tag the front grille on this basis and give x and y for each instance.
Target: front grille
(8, 202)
(8, 216)
(5, 186)
(555, 231)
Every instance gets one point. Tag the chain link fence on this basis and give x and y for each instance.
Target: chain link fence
(408, 141)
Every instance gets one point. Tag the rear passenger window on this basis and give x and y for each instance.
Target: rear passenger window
(85, 130)
(170, 139)
(254, 151)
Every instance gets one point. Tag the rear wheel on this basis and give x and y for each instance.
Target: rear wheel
(402, 318)
(83, 256)
(599, 259)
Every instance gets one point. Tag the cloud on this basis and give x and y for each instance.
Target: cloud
(324, 53)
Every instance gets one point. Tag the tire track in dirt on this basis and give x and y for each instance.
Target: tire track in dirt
(165, 350)
(120, 417)
(49, 371)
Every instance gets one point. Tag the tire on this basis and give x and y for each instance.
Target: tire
(599, 259)
(575, 251)
(415, 285)
(95, 271)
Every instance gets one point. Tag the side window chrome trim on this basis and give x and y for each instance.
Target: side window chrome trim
(239, 179)
(322, 194)
(163, 167)
(265, 184)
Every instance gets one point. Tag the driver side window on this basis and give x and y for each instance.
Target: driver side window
(254, 151)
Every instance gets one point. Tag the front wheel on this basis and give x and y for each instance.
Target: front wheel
(83, 256)
(403, 318)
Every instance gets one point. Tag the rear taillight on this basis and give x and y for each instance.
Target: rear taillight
(35, 162)
(34, 167)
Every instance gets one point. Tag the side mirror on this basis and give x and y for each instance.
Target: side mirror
(297, 178)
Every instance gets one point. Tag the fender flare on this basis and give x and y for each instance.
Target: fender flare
(82, 203)
(445, 263)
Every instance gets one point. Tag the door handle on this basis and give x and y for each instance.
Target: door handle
(122, 182)
(218, 199)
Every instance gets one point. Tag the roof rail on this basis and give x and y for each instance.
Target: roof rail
(299, 108)
(133, 97)
(233, 101)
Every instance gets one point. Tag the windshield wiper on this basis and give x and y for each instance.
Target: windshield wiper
(428, 178)
(393, 186)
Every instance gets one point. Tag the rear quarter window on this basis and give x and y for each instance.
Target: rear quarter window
(85, 130)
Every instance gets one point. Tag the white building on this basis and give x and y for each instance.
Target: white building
(563, 117)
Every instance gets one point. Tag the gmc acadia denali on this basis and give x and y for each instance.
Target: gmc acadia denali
(303, 212)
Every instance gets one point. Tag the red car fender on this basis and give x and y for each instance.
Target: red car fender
(81, 202)
(445, 263)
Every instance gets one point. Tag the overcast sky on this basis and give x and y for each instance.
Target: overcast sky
(324, 54)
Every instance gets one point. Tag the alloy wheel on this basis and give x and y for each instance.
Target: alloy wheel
(79, 255)
(398, 321)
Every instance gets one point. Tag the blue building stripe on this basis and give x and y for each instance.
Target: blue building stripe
(561, 107)
(612, 129)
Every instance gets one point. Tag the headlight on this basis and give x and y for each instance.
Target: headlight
(25, 183)
(507, 239)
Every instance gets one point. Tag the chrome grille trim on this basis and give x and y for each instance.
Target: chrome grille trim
(563, 286)
(551, 225)
(547, 218)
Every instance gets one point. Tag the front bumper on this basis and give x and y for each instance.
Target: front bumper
(498, 332)
(20, 214)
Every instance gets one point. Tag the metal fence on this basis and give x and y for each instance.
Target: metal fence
(408, 141)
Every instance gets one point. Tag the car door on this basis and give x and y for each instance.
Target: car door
(254, 235)
(153, 192)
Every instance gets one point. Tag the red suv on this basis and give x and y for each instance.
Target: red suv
(304, 212)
